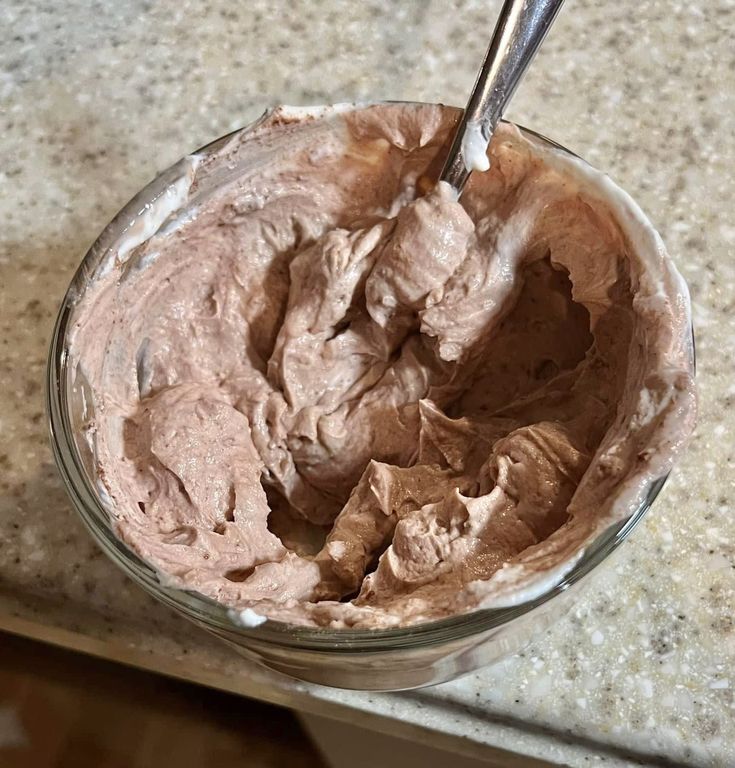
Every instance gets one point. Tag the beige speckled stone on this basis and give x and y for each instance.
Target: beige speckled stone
(96, 97)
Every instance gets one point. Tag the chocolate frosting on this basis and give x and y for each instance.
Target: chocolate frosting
(323, 396)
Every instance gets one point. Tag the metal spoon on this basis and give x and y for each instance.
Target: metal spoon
(521, 28)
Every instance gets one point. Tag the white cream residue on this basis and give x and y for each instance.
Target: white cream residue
(474, 147)
(246, 618)
(149, 220)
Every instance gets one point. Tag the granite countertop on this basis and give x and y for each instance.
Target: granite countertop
(96, 97)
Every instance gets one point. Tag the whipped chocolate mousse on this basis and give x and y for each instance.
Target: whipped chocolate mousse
(326, 398)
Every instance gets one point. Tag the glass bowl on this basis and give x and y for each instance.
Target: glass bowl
(389, 659)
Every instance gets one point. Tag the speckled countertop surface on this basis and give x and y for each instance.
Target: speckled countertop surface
(96, 97)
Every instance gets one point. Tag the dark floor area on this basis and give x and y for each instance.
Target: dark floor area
(59, 709)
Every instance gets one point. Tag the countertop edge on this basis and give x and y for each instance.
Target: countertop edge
(531, 750)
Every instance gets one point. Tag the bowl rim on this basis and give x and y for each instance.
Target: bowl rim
(207, 611)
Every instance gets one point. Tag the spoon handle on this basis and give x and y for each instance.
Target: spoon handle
(521, 28)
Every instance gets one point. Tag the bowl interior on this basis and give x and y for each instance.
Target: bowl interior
(70, 406)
